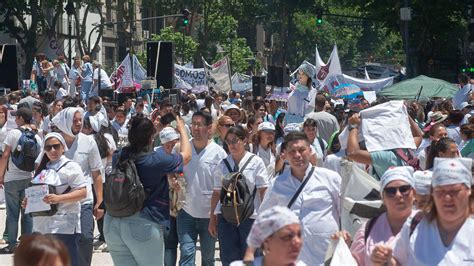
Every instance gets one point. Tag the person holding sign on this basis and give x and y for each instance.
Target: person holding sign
(68, 180)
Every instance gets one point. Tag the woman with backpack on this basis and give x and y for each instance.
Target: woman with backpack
(135, 234)
(397, 195)
(233, 225)
(70, 187)
(442, 234)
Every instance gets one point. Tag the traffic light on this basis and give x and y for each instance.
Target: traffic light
(185, 13)
(319, 16)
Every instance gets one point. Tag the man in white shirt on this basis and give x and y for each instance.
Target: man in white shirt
(83, 150)
(318, 203)
(193, 219)
(100, 78)
(15, 180)
(463, 94)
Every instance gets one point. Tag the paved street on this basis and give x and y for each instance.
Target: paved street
(101, 259)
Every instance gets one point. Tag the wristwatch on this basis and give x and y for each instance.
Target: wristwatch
(352, 126)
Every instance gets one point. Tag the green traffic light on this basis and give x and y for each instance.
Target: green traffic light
(319, 21)
(186, 21)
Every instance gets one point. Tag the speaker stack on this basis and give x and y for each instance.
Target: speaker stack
(258, 86)
(10, 71)
(278, 76)
(160, 65)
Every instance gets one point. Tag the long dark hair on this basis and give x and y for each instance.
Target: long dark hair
(436, 147)
(140, 132)
(279, 133)
(99, 138)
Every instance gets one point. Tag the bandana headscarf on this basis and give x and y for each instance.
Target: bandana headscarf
(268, 222)
(403, 173)
(452, 171)
(64, 120)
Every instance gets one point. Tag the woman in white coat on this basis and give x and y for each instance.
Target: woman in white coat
(444, 233)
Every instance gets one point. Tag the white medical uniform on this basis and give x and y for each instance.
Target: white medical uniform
(425, 247)
(299, 105)
(317, 207)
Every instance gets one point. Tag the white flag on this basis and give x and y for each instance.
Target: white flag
(218, 75)
(329, 75)
(361, 197)
(122, 76)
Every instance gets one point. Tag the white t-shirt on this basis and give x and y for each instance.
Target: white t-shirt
(425, 247)
(67, 219)
(104, 78)
(255, 175)
(199, 179)
(13, 173)
(61, 94)
(317, 206)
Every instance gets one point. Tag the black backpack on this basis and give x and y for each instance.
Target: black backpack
(236, 199)
(26, 151)
(123, 192)
(52, 190)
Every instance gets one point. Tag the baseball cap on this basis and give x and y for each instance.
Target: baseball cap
(266, 126)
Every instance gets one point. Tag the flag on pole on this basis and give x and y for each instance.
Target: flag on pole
(122, 76)
(218, 75)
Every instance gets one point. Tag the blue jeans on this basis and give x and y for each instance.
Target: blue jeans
(188, 230)
(85, 239)
(171, 243)
(86, 89)
(14, 194)
(70, 241)
(232, 239)
(134, 240)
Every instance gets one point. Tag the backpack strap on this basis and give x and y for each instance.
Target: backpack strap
(228, 166)
(64, 164)
(321, 143)
(369, 225)
(297, 193)
(401, 154)
(416, 220)
(246, 163)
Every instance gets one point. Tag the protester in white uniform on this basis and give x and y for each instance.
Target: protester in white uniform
(277, 231)
(232, 237)
(194, 217)
(75, 76)
(66, 175)
(263, 145)
(397, 194)
(310, 128)
(463, 94)
(444, 235)
(83, 150)
(317, 205)
(299, 100)
(422, 187)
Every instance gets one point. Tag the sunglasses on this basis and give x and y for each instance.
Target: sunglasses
(53, 146)
(232, 141)
(392, 191)
(227, 125)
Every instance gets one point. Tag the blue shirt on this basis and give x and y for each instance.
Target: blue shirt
(152, 169)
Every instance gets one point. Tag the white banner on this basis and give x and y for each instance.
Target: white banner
(329, 75)
(194, 77)
(122, 76)
(241, 82)
(360, 197)
(369, 85)
(218, 75)
(386, 127)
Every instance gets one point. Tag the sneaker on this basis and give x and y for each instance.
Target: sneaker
(105, 249)
(8, 250)
(99, 246)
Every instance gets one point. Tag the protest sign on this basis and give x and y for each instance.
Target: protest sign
(218, 75)
(195, 78)
(35, 195)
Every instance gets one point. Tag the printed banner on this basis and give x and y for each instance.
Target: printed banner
(218, 75)
(368, 85)
(241, 82)
(195, 78)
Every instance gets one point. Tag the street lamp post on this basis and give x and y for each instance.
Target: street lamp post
(70, 10)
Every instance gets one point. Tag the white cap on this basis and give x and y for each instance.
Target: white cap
(232, 106)
(452, 171)
(291, 127)
(423, 182)
(403, 173)
(266, 126)
(168, 134)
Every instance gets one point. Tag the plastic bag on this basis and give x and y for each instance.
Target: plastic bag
(342, 255)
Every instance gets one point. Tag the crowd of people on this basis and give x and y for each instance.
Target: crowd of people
(284, 158)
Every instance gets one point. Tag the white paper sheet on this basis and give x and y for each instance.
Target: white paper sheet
(35, 195)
